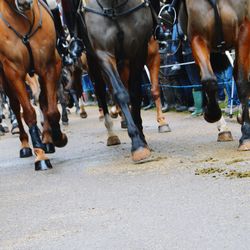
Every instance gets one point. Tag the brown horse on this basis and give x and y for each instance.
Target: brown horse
(27, 45)
(210, 34)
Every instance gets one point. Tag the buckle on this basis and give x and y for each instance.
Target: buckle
(109, 12)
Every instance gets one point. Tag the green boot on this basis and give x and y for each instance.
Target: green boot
(197, 95)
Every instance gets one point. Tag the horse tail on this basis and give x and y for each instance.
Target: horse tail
(219, 61)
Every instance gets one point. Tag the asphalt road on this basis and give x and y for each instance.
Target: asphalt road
(193, 194)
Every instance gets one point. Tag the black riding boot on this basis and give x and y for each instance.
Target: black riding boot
(70, 12)
(62, 43)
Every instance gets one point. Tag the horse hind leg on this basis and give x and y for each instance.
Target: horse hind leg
(100, 89)
(113, 139)
(153, 64)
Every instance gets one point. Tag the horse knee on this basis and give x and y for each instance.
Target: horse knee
(210, 85)
(121, 97)
(29, 116)
(155, 92)
(53, 117)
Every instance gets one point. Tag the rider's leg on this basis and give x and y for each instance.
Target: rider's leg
(70, 14)
(62, 44)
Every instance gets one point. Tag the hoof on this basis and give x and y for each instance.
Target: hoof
(225, 136)
(239, 119)
(65, 123)
(164, 128)
(212, 117)
(124, 124)
(43, 165)
(140, 155)
(245, 146)
(25, 152)
(83, 115)
(113, 115)
(62, 142)
(113, 140)
(49, 148)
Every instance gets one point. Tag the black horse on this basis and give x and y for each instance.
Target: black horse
(118, 32)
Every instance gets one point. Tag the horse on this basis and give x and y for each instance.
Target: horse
(27, 26)
(226, 26)
(117, 57)
(152, 69)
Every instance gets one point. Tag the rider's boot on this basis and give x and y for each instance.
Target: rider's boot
(62, 43)
(76, 45)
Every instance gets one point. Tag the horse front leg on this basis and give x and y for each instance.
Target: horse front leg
(242, 74)
(17, 86)
(153, 64)
(201, 54)
(139, 148)
(49, 80)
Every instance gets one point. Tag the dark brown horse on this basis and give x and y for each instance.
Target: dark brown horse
(209, 34)
(118, 35)
(27, 45)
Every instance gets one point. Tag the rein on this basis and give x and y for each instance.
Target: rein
(113, 12)
(25, 38)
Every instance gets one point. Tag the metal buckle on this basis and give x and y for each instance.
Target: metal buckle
(109, 12)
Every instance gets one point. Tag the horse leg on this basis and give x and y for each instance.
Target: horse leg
(139, 148)
(49, 79)
(16, 82)
(201, 54)
(46, 134)
(25, 150)
(135, 95)
(153, 64)
(100, 89)
(224, 132)
(63, 102)
(242, 74)
(83, 113)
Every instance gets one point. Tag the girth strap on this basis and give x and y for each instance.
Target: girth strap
(112, 12)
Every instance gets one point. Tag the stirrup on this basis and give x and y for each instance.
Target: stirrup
(62, 45)
(76, 47)
(67, 60)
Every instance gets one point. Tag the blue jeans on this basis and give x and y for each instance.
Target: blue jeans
(225, 80)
